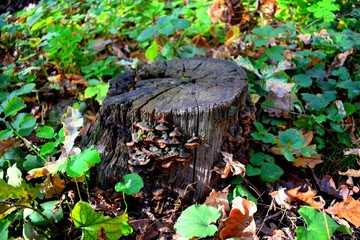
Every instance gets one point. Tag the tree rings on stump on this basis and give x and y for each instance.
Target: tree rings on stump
(169, 123)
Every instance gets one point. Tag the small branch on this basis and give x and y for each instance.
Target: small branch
(53, 226)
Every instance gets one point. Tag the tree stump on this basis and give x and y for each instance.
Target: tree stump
(170, 123)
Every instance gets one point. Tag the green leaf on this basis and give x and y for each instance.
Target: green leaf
(270, 172)
(152, 51)
(47, 148)
(14, 176)
(241, 191)
(48, 211)
(131, 185)
(195, 221)
(4, 225)
(32, 162)
(82, 162)
(147, 34)
(24, 124)
(168, 50)
(317, 228)
(189, 51)
(307, 151)
(180, 24)
(288, 155)
(91, 91)
(259, 158)
(291, 137)
(252, 171)
(275, 52)
(23, 191)
(5, 134)
(13, 106)
(46, 132)
(4, 79)
(92, 222)
(303, 80)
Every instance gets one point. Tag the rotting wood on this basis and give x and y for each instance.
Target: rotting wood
(199, 104)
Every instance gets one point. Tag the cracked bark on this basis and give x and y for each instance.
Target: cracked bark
(203, 97)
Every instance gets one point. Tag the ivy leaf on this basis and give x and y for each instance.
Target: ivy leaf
(252, 171)
(288, 155)
(292, 137)
(317, 228)
(92, 222)
(13, 106)
(195, 221)
(48, 211)
(180, 23)
(5, 134)
(131, 185)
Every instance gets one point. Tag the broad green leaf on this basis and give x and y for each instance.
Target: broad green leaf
(29, 232)
(303, 80)
(131, 185)
(24, 124)
(275, 52)
(32, 162)
(27, 88)
(82, 162)
(189, 51)
(91, 91)
(270, 172)
(307, 151)
(4, 79)
(5, 134)
(152, 51)
(317, 228)
(196, 221)
(46, 132)
(14, 176)
(168, 50)
(180, 23)
(259, 158)
(317, 102)
(241, 191)
(4, 225)
(23, 191)
(47, 148)
(13, 106)
(252, 171)
(147, 34)
(291, 138)
(288, 155)
(48, 211)
(92, 222)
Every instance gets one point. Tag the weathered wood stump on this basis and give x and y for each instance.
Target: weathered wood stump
(170, 123)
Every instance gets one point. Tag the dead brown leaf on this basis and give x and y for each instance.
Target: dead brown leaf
(282, 198)
(53, 185)
(219, 201)
(350, 173)
(305, 38)
(240, 222)
(339, 60)
(328, 185)
(348, 209)
(310, 162)
(307, 196)
(235, 167)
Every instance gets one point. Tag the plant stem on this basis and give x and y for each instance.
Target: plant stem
(53, 226)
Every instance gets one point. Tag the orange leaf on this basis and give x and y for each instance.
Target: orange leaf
(348, 209)
(53, 185)
(307, 197)
(241, 219)
(308, 161)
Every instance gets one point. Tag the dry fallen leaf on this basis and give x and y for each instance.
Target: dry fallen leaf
(282, 198)
(348, 209)
(350, 173)
(53, 185)
(327, 185)
(305, 38)
(307, 196)
(310, 162)
(235, 167)
(219, 201)
(339, 60)
(240, 222)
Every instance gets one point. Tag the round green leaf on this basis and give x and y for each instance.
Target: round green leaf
(152, 51)
(5, 134)
(46, 132)
(131, 185)
(195, 221)
(147, 34)
(270, 172)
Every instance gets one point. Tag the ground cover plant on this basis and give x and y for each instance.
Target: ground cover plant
(302, 59)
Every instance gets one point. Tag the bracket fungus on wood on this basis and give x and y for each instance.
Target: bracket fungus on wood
(169, 123)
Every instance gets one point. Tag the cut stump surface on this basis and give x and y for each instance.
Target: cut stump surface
(205, 100)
